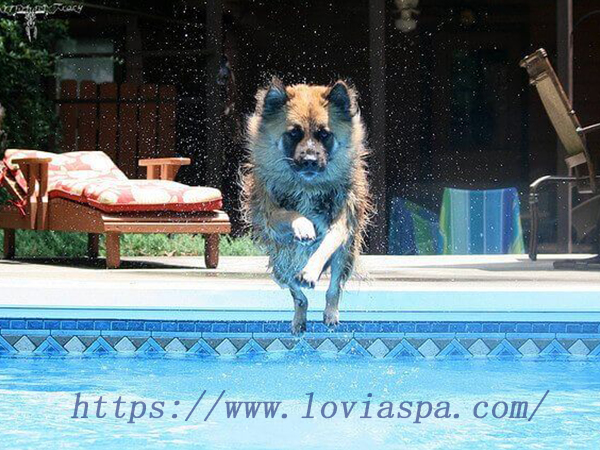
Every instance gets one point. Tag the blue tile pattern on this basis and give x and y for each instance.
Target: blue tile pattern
(404, 350)
(49, 347)
(150, 347)
(454, 349)
(6, 348)
(384, 339)
(99, 347)
(504, 350)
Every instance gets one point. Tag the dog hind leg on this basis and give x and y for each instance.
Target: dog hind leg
(300, 309)
(339, 273)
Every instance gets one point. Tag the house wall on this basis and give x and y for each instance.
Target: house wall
(460, 111)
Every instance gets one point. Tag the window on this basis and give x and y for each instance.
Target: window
(86, 59)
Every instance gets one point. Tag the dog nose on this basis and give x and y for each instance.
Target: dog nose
(310, 161)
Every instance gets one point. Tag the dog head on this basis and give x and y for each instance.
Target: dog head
(305, 130)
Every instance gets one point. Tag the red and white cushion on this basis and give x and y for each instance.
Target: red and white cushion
(92, 178)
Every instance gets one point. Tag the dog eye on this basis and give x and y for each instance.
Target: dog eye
(323, 134)
(295, 133)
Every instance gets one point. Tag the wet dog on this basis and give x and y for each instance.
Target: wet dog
(305, 190)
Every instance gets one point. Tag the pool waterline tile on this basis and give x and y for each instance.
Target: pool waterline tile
(145, 334)
(75, 332)
(383, 339)
(176, 334)
(26, 332)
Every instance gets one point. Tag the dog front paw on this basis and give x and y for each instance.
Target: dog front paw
(304, 230)
(308, 277)
(331, 317)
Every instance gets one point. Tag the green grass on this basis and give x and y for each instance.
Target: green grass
(53, 244)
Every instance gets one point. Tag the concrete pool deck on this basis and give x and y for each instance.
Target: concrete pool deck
(459, 269)
(443, 288)
(413, 307)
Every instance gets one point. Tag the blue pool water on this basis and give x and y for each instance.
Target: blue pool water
(37, 398)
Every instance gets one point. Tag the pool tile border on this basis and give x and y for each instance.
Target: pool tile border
(62, 337)
(170, 326)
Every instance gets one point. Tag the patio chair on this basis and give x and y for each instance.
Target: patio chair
(481, 222)
(86, 192)
(569, 131)
(413, 230)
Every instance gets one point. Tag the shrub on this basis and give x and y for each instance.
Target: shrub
(26, 69)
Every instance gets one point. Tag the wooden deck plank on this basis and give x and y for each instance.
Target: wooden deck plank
(68, 115)
(147, 147)
(107, 131)
(88, 117)
(167, 121)
(128, 130)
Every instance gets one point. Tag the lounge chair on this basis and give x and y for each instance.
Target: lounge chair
(86, 192)
(569, 131)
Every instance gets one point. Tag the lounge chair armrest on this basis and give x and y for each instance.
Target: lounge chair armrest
(161, 161)
(34, 170)
(31, 160)
(590, 128)
(163, 168)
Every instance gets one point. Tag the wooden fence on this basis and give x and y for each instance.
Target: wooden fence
(128, 122)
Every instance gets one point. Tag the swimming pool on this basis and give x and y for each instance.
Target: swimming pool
(39, 394)
(483, 348)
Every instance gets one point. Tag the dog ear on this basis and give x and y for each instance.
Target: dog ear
(342, 100)
(273, 99)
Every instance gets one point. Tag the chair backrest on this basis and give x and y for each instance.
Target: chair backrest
(481, 222)
(73, 169)
(6, 180)
(413, 229)
(561, 114)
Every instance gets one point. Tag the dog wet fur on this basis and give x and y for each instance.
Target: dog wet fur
(304, 188)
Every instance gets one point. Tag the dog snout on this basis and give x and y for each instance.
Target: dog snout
(309, 161)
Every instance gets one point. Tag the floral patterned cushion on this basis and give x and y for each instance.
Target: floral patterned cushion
(92, 178)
